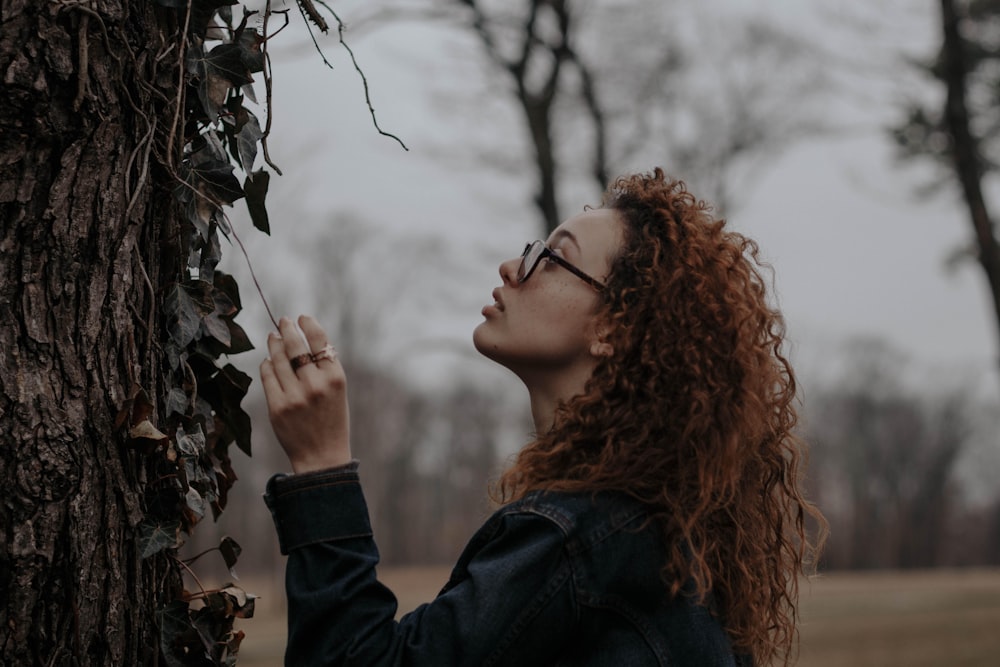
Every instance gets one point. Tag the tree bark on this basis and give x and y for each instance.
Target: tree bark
(86, 241)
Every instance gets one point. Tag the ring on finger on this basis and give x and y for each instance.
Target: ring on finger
(301, 360)
(328, 352)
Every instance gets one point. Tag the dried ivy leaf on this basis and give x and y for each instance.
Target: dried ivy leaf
(155, 537)
(255, 188)
(145, 430)
(230, 551)
(142, 407)
(137, 407)
(233, 647)
(246, 141)
(242, 602)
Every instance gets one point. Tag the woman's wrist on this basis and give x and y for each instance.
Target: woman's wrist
(326, 461)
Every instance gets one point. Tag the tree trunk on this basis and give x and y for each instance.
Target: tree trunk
(86, 242)
(965, 151)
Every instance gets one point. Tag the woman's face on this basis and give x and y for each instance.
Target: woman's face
(546, 324)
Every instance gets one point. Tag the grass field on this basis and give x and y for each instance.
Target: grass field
(945, 618)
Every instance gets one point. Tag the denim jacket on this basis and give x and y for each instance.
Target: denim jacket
(552, 579)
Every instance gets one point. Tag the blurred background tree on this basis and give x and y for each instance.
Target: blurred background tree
(961, 132)
(600, 86)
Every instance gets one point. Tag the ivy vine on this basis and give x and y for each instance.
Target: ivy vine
(213, 134)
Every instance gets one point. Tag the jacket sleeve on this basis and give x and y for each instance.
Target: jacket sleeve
(511, 604)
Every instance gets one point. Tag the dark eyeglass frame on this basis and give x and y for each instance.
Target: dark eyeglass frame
(524, 271)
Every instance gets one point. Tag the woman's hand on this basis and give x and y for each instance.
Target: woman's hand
(307, 404)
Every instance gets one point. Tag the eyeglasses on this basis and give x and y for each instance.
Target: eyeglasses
(535, 251)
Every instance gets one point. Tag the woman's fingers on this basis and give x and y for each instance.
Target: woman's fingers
(319, 346)
(279, 361)
(308, 404)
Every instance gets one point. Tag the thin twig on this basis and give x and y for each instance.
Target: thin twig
(267, 82)
(152, 304)
(180, 88)
(193, 575)
(357, 68)
(133, 195)
(364, 80)
(246, 255)
(199, 555)
(83, 66)
(305, 19)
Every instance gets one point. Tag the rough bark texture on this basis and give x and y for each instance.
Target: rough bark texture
(84, 243)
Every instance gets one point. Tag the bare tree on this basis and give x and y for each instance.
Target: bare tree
(885, 460)
(963, 134)
(608, 85)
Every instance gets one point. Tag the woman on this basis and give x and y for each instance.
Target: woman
(655, 518)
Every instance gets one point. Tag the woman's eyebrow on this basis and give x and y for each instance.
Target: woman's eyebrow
(565, 234)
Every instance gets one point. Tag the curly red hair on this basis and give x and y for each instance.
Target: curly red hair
(692, 414)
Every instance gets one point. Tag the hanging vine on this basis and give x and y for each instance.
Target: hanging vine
(213, 136)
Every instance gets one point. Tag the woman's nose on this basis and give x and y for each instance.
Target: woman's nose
(508, 271)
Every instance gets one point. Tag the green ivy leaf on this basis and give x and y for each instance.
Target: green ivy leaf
(212, 628)
(191, 444)
(222, 184)
(184, 315)
(224, 306)
(196, 504)
(177, 402)
(215, 327)
(225, 392)
(227, 284)
(226, 61)
(175, 622)
(155, 537)
(250, 42)
(210, 256)
(238, 339)
(255, 188)
(202, 12)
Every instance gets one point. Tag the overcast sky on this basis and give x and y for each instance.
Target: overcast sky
(854, 252)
